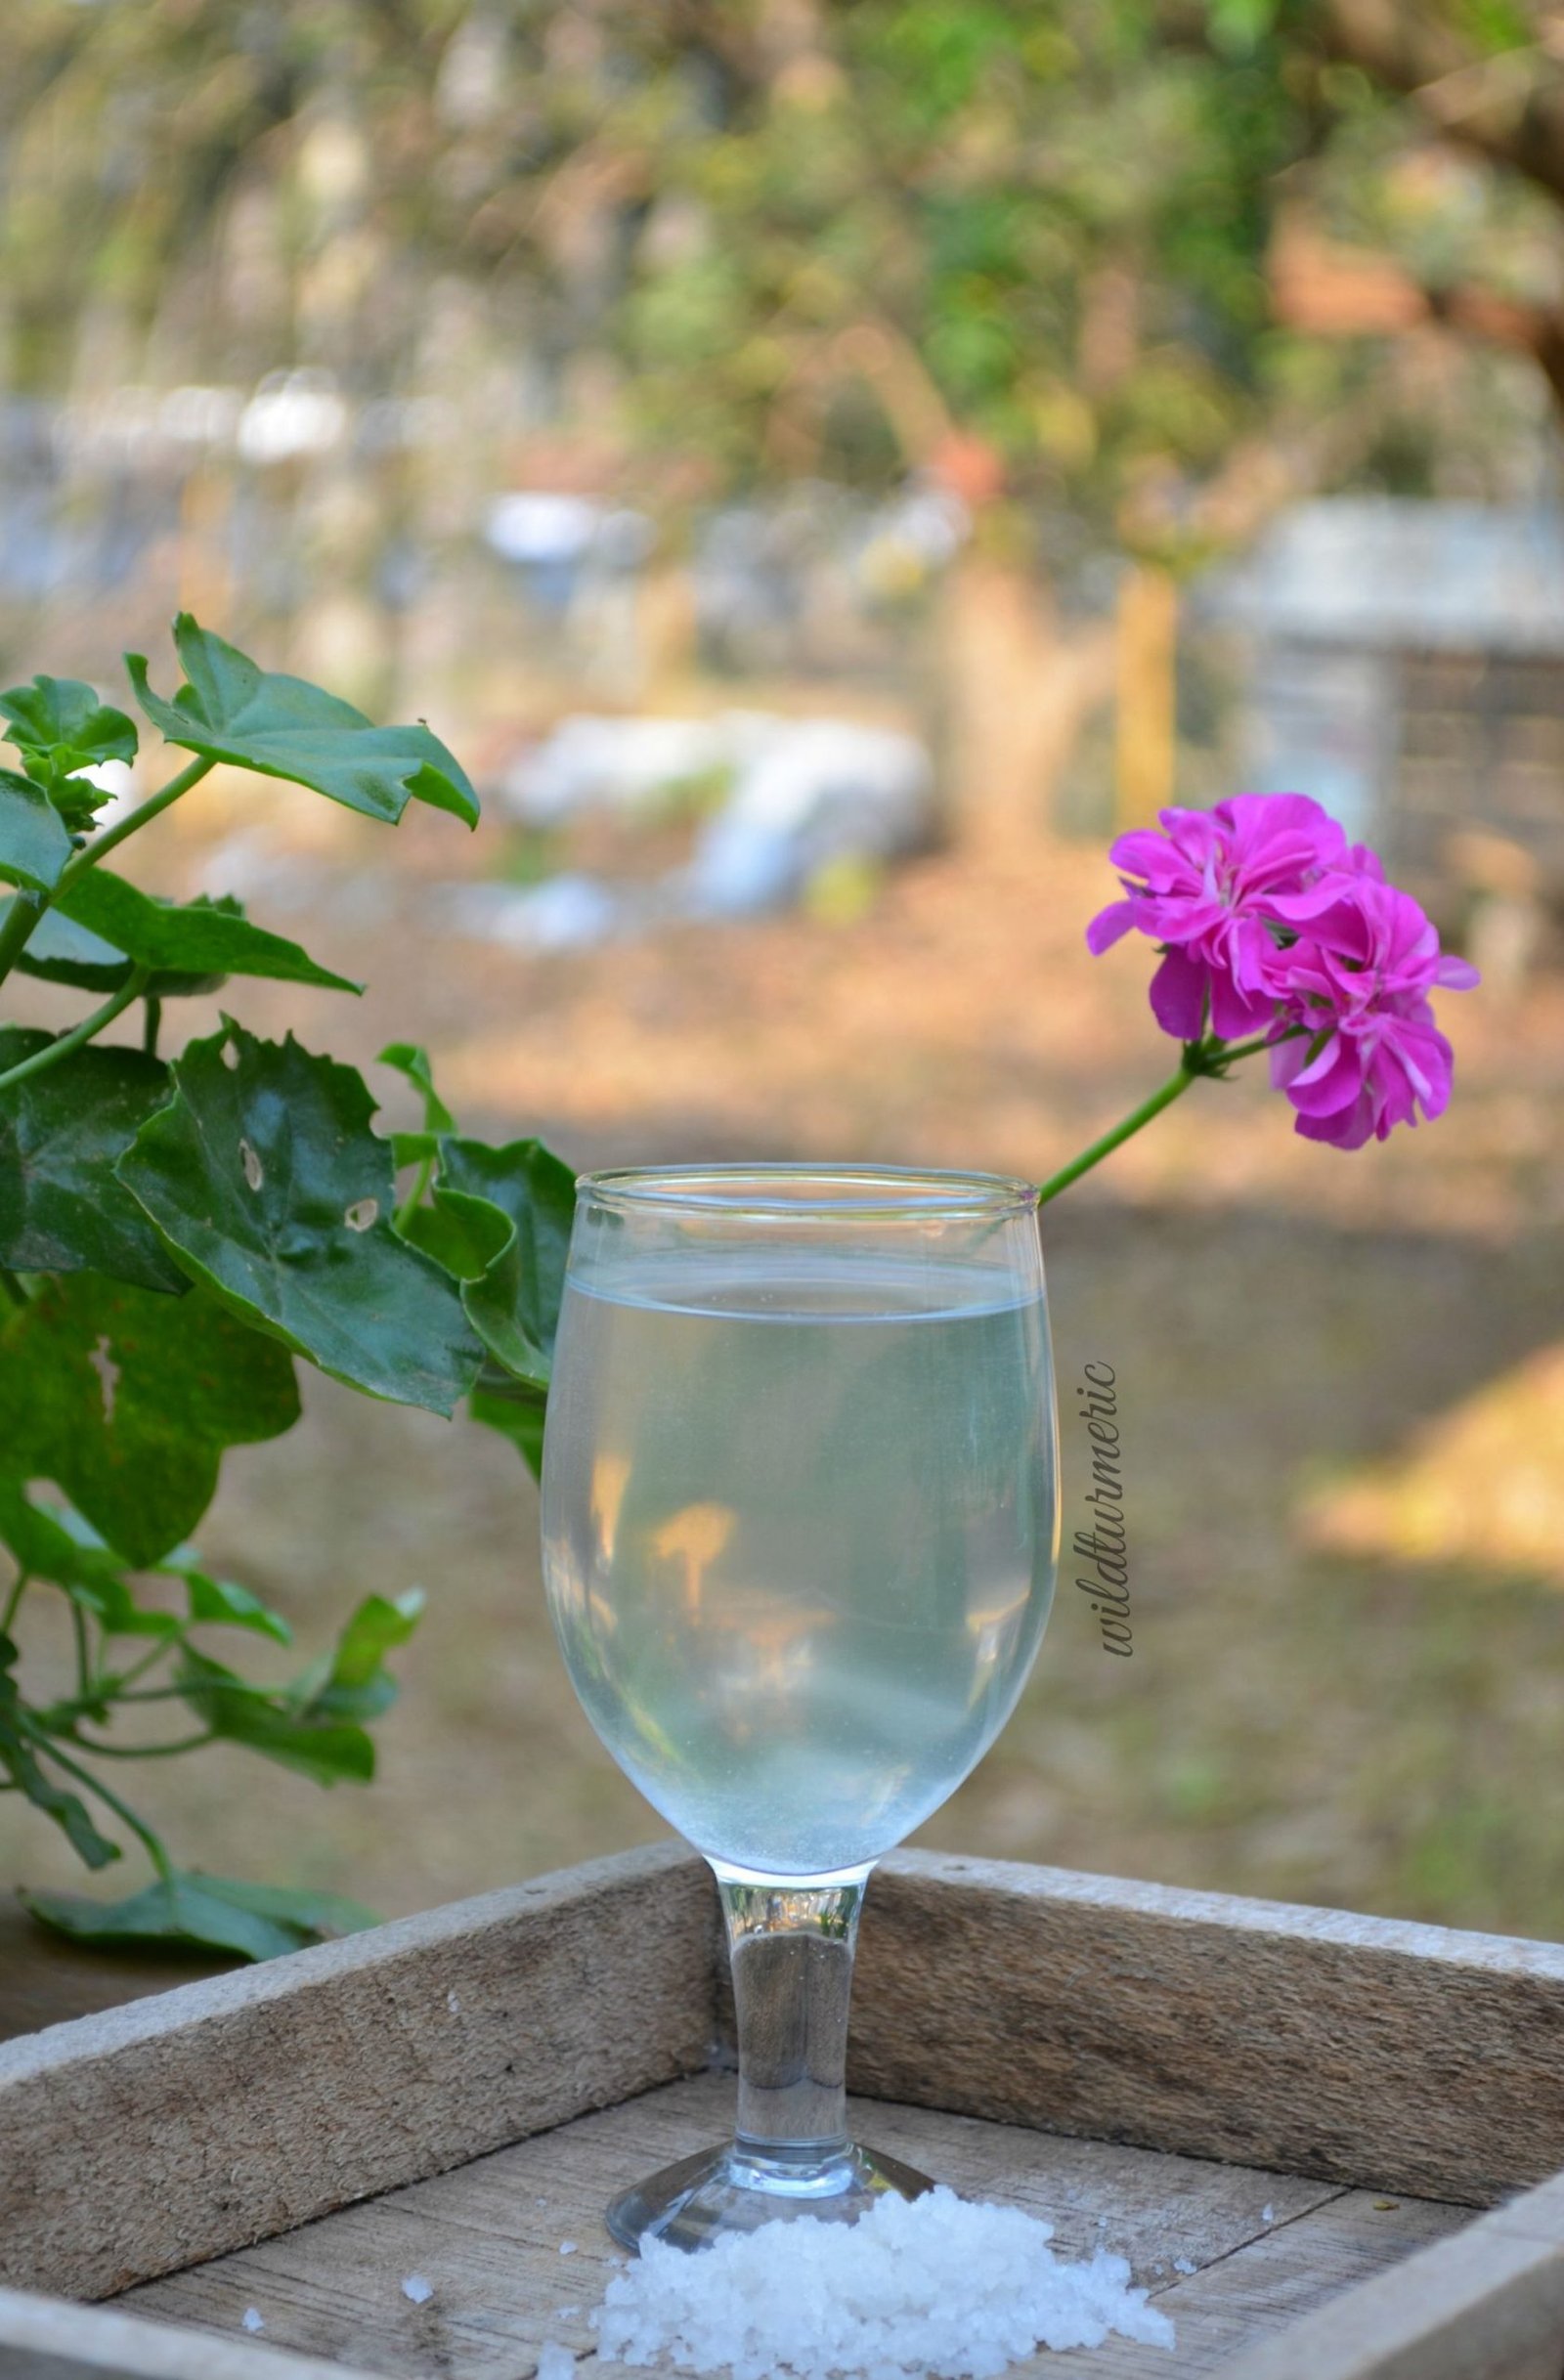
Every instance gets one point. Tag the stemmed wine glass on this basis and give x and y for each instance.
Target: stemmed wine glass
(800, 1526)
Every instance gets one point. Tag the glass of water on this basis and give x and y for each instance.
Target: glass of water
(799, 1525)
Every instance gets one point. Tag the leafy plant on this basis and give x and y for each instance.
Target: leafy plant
(173, 1233)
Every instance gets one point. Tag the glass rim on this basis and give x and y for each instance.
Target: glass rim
(904, 1193)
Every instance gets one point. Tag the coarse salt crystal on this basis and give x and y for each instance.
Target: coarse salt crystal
(418, 2289)
(931, 2287)
(567, 2248)
(1268, 2213)
(555, 2363)
(250, 2319)
(1182, 2263)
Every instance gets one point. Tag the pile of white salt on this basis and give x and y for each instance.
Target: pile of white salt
(928, 2286)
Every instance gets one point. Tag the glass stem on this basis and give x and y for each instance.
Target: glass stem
(791, 1947)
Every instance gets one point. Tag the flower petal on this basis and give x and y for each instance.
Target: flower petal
(1178, 995)
(1110, 926)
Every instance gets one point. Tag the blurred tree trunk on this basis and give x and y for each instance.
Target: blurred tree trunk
(1010, 693)
(1145, 703)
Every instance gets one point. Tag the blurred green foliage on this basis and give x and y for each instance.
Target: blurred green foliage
(1024, 241)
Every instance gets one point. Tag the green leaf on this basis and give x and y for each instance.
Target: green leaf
(207, 1912)
(204, 939)
(410, 1059)
(119, 1614)
(518, 1415)
(34, 839)
(63, 950)
(353, 1681)
(60, 721)
(60, 952)
(268, 1187)
(514, 1307)
(52, 1541)
(126, 1400)
(324, 1915)
(60, 1133)
(230, 709)
(219, 1602)
(464, 1235)
(20, 1760)
(317, 1744)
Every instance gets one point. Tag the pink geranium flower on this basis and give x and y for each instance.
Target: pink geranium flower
(1269, 923)
(1357, 978)
(1205, 888)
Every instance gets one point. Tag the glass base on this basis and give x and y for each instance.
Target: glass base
(718, 2191)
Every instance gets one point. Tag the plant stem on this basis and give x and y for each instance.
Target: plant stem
(414, 1197)
(28, 907)
(143, 1752)
(153, 1020)
(23, 1582)
(1174, 1087)
(1262, 1041)
(144, 1834)
(148, 1660)
(21, 918)
(154, 807)
(1209, 1057)
(63, 1716)
(78, 1623)
(54, 1050)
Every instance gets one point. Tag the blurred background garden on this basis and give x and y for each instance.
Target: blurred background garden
(824, 469)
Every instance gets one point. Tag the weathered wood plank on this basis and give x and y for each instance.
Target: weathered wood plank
(488, 2239)
(156, 2134)
(1357, 2049)
(1283, 2040)
(43, 2339)
(1487, 2305)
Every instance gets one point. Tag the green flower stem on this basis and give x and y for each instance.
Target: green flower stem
(151, 1024)
(149, 1843)
(1174, 1087)
(1206, 1057)
(1232, 1050)
(54, 1050)
(132, 823)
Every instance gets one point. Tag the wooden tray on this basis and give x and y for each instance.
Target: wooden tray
(1306, 2109)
